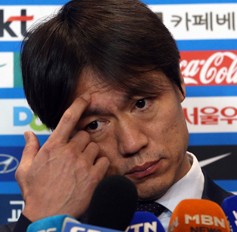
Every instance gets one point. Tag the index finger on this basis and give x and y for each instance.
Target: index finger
(70, 119)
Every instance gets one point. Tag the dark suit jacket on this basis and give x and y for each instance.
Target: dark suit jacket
(211, 192)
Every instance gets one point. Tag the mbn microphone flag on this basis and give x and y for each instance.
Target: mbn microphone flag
(198, 215)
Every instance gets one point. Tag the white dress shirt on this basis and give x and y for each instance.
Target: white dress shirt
(190, 186)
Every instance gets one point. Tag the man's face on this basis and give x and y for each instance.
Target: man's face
(144, 137)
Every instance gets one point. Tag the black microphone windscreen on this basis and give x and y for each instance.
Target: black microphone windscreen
(113, 203)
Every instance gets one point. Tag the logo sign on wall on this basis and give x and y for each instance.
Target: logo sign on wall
(8, 163)
(188, 21)
(18, 117)
(211, 114)
(6, 70)
(15, 20)
(209, 68)
(12, 205)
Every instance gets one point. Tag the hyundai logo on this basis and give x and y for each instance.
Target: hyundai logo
(8, 163)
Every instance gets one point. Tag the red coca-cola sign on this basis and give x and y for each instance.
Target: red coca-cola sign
(209, 67)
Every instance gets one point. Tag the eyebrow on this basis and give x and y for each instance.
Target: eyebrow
(98, 111)
(94, 112)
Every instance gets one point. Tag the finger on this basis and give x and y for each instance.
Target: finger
(80, 139)
(70, 118)
(31, 148)
(90, 154)
(100, 168)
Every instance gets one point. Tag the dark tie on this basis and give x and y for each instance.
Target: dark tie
(151, 206)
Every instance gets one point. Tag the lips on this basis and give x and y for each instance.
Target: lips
(139, 172)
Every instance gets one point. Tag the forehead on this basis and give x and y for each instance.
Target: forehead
(103, 96)
(141, 84)
(91, 83)
(104, 93)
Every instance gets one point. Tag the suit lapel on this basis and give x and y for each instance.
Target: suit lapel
(213, 192)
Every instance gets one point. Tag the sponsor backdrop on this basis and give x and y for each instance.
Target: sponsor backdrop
(206, 34)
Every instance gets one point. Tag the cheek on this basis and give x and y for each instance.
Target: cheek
(108, 147)
(169, 133)
(165, 127)
(175, 122)
(177, 140)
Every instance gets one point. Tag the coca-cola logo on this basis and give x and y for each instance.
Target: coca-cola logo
(209, 68)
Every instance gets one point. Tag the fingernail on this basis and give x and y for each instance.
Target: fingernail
(86, 96)
(26, 136)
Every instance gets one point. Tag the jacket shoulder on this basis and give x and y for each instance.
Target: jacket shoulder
(214, 192)
(8, 227)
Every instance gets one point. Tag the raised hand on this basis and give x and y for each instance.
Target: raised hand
(60, 177)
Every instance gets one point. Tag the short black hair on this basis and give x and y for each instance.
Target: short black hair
(119, 40)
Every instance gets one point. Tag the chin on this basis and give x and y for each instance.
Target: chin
(151, 192)
(150, 196)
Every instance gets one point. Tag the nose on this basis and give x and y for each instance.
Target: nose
(131, 137)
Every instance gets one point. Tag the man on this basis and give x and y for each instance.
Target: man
(104, 76)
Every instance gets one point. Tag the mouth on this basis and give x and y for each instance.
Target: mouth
(141, 171)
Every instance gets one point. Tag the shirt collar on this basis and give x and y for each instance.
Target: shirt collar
(190, 186)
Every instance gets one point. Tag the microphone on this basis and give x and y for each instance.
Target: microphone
(229, 207)
(145, 222)
(111, 209)
(64, 223)
(198, 215)
(113, 203)
(54, 224)
(75, 226)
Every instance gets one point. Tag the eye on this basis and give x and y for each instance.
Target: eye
(93, 125)
(141, 103)
(96, 126)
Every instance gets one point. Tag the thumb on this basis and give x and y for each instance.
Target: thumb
(31, 147)
(30, 150)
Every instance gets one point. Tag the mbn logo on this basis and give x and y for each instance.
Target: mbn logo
(204, 219)
(5, 24)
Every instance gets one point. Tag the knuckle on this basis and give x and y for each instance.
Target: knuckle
(82, 165)
(68, 116)
(70, 152)
(93, 146)
(18, 174)
(49, 147)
